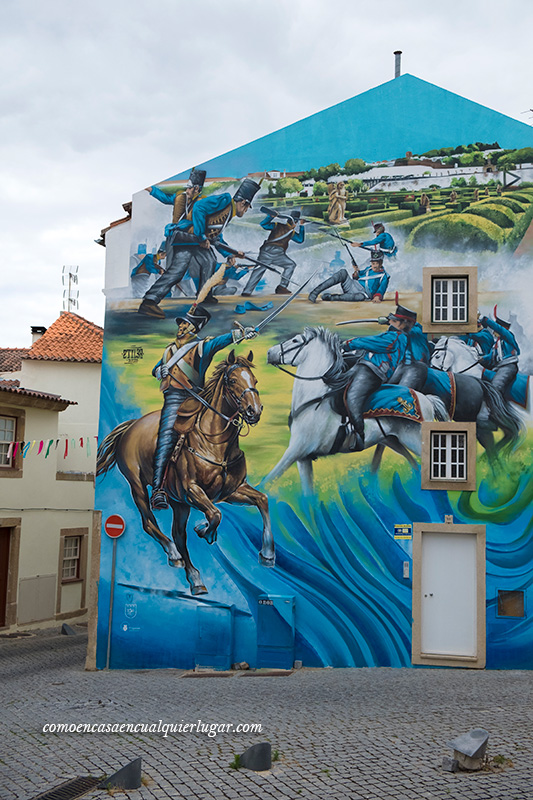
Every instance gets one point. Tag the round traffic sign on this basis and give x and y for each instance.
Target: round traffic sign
(114, 526)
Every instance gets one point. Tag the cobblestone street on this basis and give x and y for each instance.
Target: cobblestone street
(362, 734)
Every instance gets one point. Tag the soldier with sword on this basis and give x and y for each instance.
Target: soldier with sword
(182, 371)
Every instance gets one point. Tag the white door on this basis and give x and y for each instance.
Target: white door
(448, 602)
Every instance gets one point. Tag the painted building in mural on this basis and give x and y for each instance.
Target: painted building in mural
(315, 417)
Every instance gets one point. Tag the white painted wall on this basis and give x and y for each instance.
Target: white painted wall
(75, 381)
(45, 505)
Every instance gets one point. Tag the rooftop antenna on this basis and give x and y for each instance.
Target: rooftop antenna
(397, 63)
(71, 295)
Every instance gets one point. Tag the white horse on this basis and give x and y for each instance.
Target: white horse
(459, 357)
(316, 426)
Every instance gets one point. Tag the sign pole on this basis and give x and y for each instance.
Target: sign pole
(111, 600)
(114, 526)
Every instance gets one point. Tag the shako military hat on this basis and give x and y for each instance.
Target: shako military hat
(377, 225)
(499, 320)
(376, 255)
(197, 316)
(402, 312)
(295, 214)
(247, 191)
(197, 177)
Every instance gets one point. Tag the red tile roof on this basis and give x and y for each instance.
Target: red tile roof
(69, 338)
(11, 358)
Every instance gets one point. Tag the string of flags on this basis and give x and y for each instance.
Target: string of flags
(48, 446)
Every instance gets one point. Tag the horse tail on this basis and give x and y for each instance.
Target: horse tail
(503, 415)
(440, 411)
(107, 451)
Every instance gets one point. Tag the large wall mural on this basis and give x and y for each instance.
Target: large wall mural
(266, 376)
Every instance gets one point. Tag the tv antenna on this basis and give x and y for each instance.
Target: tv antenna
(71, 294)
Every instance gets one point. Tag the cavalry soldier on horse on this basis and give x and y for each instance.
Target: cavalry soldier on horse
(381, 355)
(503, 358)
(181, 372)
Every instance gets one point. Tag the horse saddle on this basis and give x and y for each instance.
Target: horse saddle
(187, 415)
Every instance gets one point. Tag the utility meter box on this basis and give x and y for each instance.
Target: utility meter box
(275, 631)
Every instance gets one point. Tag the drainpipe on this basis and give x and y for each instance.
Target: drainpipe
(397, 63)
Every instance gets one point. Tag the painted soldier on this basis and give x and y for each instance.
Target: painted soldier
(503, 358)
(194, 239)
(482, 340)
(183, 367)
(273, 251)
(381, 355)
(183, 202)
(369, 283)
(413, 369)
(382, 239)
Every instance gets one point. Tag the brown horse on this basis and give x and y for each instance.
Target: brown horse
(207, 465)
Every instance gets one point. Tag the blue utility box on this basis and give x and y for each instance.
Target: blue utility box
(275, 631)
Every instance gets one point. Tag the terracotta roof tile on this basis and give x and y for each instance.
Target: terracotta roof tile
(69, 338)
(11, 358)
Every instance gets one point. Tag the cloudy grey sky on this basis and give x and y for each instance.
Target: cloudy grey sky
(101, 99)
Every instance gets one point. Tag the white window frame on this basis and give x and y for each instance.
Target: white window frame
(4, 443)
(467, 482)
(71, 559)
(448, 455)
(449, 301)
(435, 279)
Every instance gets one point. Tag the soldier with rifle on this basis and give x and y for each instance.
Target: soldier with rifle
(193, 240)
(382, 239)
(273, 252)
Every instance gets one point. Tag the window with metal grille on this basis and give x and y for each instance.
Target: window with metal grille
(448, 456)
(7, 436)
(450, 300)
(71, 558)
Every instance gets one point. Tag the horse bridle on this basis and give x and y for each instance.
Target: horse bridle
(298, 348)
(445, 350)
(231, 394)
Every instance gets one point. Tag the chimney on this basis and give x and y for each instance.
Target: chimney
(397, 63)
(36, 332)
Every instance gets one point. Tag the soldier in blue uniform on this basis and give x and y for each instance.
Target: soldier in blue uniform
(369, 283)
(413, 370)
(382, 239)
(481, 339)
(192, 239)
(183, 202)
(273, 251)
(503, 357)
(183, 366)
(382, 354)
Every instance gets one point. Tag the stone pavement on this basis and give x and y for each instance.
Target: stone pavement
(341, 734)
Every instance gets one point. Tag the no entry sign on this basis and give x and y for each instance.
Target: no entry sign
(114, 526)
